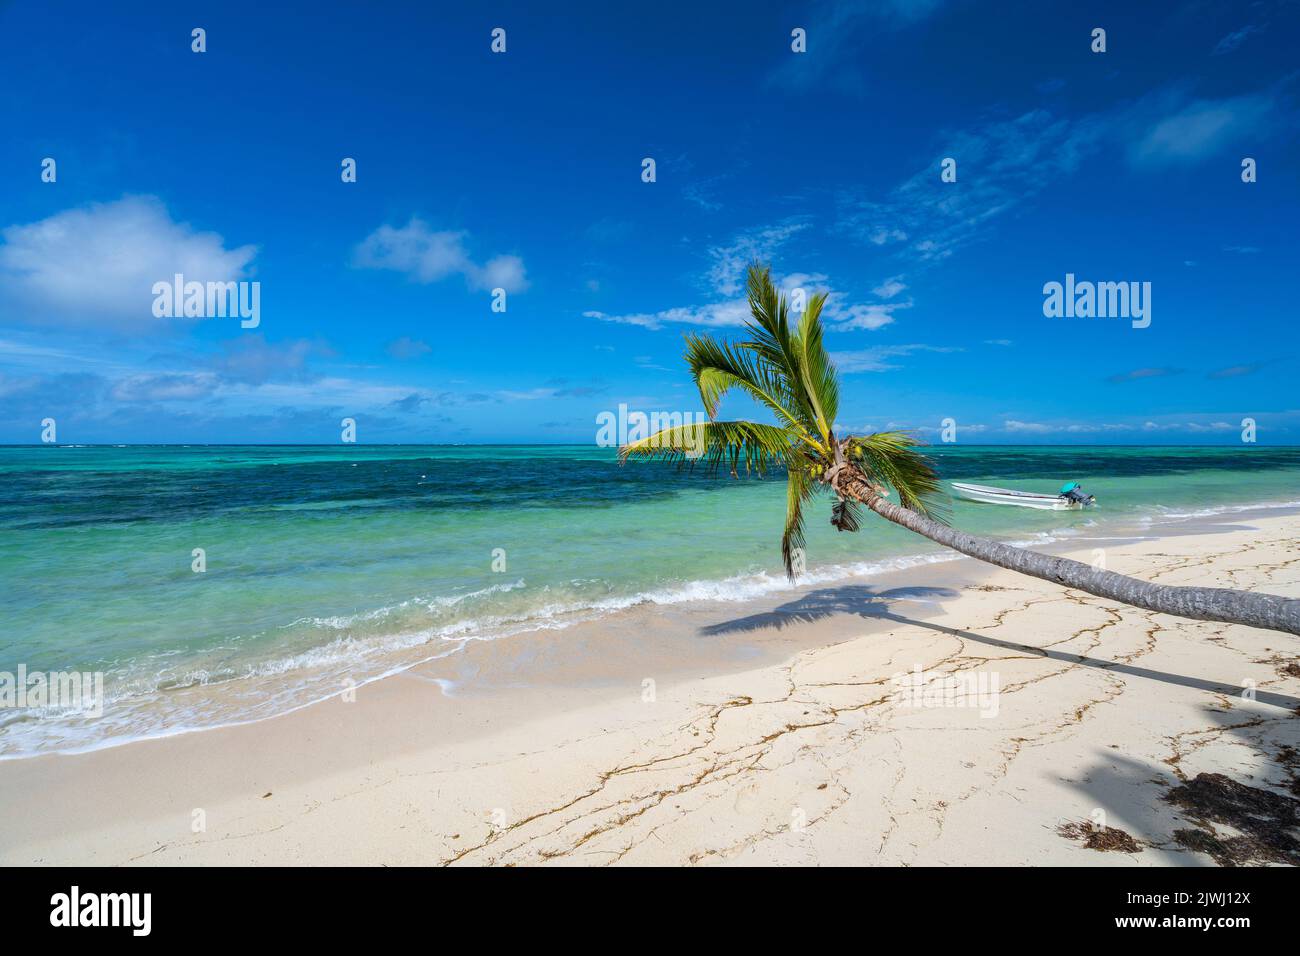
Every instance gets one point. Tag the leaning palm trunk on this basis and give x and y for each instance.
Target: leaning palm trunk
(1203, 604)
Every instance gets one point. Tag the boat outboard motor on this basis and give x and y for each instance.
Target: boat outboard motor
(1073, 491)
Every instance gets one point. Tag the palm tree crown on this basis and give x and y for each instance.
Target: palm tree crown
(788, 371)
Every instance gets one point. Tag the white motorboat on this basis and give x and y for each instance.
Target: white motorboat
(1069, 498)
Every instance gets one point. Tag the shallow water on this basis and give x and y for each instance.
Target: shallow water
(330, 564)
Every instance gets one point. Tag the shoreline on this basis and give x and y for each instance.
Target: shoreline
(755, 587)
(552, 729)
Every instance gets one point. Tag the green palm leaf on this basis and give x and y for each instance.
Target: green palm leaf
(718, 367)
(816, 370)
(800, 486)
(890, 458)
(775, 345)
(846, 514)
(757, 447)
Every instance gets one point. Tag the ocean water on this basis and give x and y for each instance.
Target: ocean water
(327, 564)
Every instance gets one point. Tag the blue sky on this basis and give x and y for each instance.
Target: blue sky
(522, 171)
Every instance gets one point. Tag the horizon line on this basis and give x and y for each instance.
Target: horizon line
(508, 444)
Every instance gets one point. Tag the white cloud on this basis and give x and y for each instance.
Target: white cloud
(29, 353)
(1015, 158)
(96, 265)
(720, 315)
(837, 31)
(165, 387)
(1092, 428)
(408, 348)
(427, 256)
(1004, 162)
(757, 245)
(890, 287)
(252, 360)
(1033, 428)
(701, 193)
(329, 392)
(1201, 128)
(504, 272)
(1233, 40)
(558, 388)
(530, 395)
(877, 359)
(872, 316)
(838, 312)
(962, 427)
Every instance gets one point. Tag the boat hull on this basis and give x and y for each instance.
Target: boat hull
(1019, 499)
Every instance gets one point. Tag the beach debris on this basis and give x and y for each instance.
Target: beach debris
(1265, 822)
(1100, 838)
(1286, 667)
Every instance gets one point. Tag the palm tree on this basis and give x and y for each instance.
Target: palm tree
(788, 371)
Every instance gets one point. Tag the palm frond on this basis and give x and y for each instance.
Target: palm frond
(890, 458)
(799, 488)
(718, 367)
(778, 347)
(771, 325)
(755, 446)
(815, 367)
(845, 514)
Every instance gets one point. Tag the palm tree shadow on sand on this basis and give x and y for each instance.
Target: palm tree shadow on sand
(855, 599)
(865, 602)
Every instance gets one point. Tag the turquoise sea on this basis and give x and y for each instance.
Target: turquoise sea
(326, 564)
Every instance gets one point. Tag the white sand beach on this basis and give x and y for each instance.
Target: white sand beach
(773, 732)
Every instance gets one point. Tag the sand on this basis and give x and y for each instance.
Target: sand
(1053, 728)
